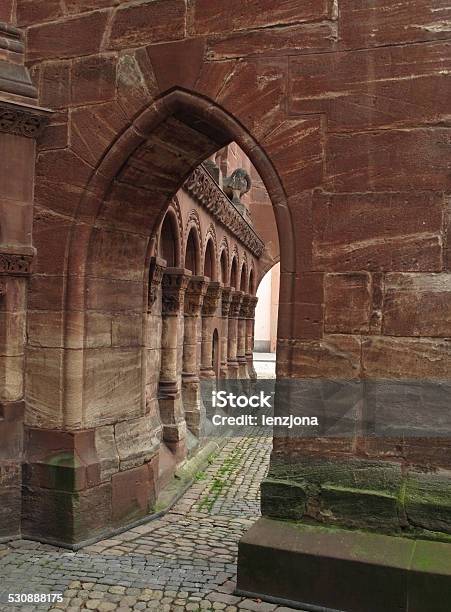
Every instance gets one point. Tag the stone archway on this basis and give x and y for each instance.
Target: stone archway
(105, 288)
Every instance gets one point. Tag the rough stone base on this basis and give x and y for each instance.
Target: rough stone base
(323, 569)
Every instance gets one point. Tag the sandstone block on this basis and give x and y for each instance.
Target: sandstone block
(80, 35)
(136, 442)
(347, 303)
(417, 305)
(93, 79)
(154, 21)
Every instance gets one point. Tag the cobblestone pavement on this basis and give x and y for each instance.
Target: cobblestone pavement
(185, 560)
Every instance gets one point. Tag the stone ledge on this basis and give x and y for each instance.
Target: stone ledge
(335, 570)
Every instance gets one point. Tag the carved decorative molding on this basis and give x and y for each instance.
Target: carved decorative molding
(226, 297)
(22, 121)
(174, 284)
(157, 267)
(211, 299)
(235, 306)
(15, 264)
(201, 186)
(194, 295)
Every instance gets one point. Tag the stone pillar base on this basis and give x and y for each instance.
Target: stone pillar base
(11, 434)
(232, 370)
(65, 500)
(318, 568)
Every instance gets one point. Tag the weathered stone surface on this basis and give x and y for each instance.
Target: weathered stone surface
(348, 303)
(93, 128)
(278, 496)
(43, 387)
(428, 500)
(11, 377)
(105, 445)
(93, 79)
(55, 84)
(295, 148)
(355, 507)
(264, 80)
(417, 305)
(336, 356)
(30, 12)
(67, 38)
(377, 231)
(304, 38)
(136, 442)
(133, 493)
(149, 21)
(177, 63)
(109, 397)
(384, 160)
(388, 357)
(117, 255)
(216, 17)
(10, 499)
(136, 83)
(365, 24)
(373, 88)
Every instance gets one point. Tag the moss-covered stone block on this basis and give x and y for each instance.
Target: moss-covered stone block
(283, 499)
(427, 500)
(356, 507)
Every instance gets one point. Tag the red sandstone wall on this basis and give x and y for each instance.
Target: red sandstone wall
(347, 100)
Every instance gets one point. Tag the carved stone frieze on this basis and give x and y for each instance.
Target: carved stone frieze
(15, 264)
(211, 299)
(226, 299)
(22, 120)
(201, 186)
(156, 269)
(235, 306)
(194, 295)
(174, 284)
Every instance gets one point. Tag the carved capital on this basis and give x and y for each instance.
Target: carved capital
(15, 264)
(251, 306)
(156, 269)
(244, 308)
(226, 299)
(194, 295)
(235, 306)
(211, 299)
(25, 121)
(174, 284)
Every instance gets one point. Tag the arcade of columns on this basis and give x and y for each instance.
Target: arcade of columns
(201, 304)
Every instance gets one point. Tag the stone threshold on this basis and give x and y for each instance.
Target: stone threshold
(320, 569)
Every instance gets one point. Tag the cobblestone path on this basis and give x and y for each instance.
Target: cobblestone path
(185, 560)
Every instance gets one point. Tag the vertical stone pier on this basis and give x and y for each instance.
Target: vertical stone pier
(192, 401)
(21, 122)
(232, 361)
(174, 284)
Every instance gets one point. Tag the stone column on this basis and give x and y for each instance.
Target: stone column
(226, 299)
(232, 363)
(192, 401)
(174, 284)
(241, 344)
(21, 122)
(209, 307)
(250, 328)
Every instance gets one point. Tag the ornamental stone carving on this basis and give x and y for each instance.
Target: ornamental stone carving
(15, 264)
(252, 303)
(174, 284)
(194, 295)
(226, 299)
(157, 267)
(211, 299)
(235, 306)
(21, 121)
(201, 186)
(237, 184)
(244, 308)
